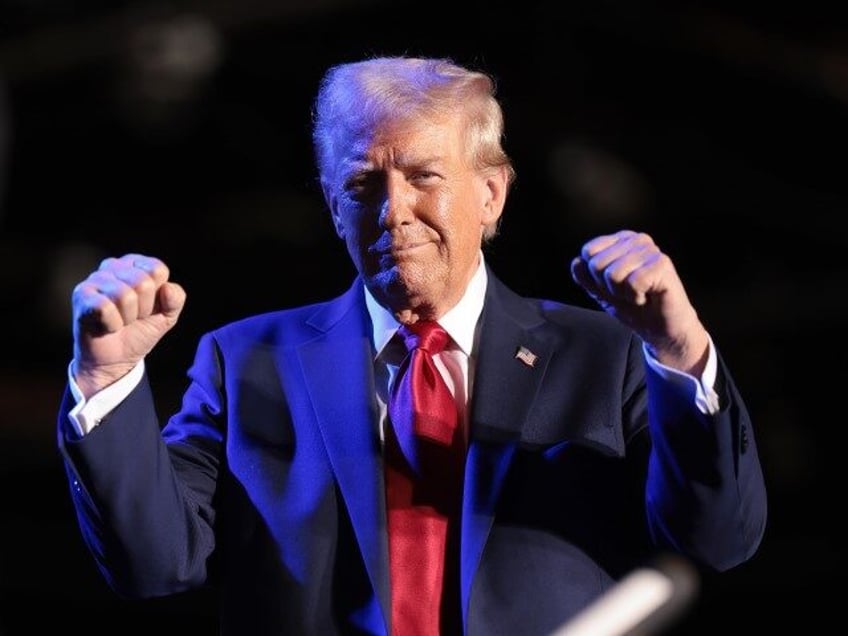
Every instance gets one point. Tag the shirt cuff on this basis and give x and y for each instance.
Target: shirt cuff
(700, 390)
(87, 414)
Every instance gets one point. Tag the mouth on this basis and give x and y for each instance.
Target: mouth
(406, 247)
(394, 254)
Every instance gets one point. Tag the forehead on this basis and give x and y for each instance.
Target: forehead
(405, 140)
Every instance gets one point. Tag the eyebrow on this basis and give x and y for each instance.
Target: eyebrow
(409, 159)
(363, 166)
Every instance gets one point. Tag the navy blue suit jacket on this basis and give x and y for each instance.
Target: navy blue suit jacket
(268, 481)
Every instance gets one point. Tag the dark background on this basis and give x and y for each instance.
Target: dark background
(181, 129)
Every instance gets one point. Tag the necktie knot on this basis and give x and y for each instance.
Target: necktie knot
(420, 404)
(427, 335)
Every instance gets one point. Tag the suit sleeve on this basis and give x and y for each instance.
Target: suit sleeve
(144, 506)
(705, 492)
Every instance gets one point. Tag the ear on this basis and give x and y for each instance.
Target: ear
(494, 191)
(333, 206)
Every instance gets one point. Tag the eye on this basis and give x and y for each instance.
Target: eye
(363, 187)
(424, 176)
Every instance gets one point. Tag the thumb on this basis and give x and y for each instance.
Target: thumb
(170, 299)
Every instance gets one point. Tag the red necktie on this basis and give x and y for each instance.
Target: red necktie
(424, 466)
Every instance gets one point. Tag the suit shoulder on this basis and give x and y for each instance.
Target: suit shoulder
(291, 324)
(574, 316)
(299, 313)
(532, 312)
(561, 312)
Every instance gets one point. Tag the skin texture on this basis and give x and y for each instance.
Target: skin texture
(632, 280)
(120, 312)
(412, 211)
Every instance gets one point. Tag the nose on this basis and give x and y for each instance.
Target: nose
(396, 208)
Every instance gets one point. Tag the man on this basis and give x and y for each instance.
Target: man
(591, 440)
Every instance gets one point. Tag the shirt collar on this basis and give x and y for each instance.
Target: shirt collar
(460, 321)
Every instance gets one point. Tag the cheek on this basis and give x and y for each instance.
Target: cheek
(356, 220)
(361, 232)
(460, 220)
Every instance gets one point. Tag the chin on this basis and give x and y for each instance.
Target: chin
(396, 287)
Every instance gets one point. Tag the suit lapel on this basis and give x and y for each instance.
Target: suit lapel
(512, 359)
(344, 401)
(504, 386)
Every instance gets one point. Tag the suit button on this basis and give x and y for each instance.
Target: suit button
(744, 439)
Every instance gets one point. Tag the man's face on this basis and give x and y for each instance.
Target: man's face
(412, 211)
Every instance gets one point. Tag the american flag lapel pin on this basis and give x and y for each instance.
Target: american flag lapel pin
(526, 356)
